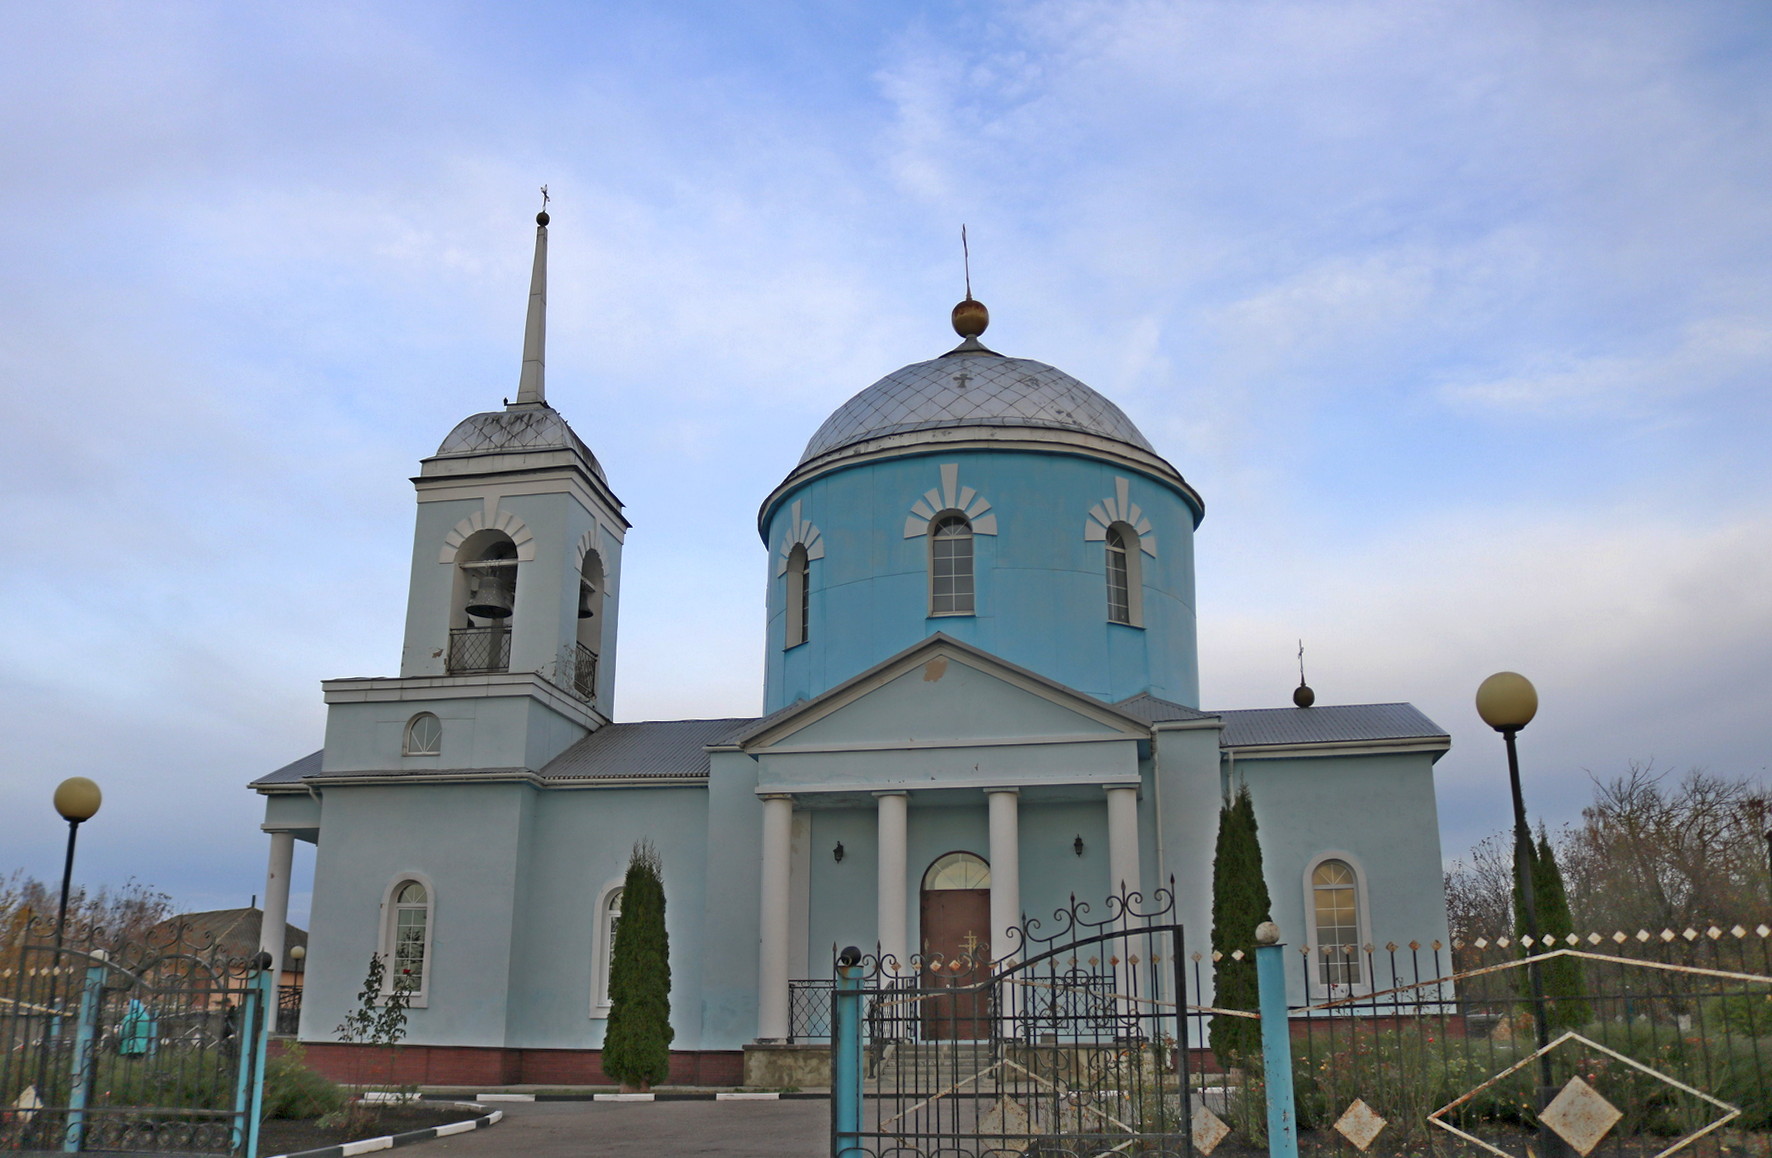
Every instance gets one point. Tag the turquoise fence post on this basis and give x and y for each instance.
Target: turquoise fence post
(266, 984)
(1276, 1042)
(80, 1079)
(846, 1057)
(249, 1078)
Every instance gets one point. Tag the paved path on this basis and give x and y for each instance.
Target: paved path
(798, 1128)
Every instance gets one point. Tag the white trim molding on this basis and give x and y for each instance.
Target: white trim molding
(1119, 509)
(950, 496)
(602, 945)
(800, 533)
(490, 517)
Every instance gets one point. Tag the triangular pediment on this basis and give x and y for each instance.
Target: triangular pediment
(941, 691)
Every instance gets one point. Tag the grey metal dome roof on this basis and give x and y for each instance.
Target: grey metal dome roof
(521, 428)
(973, 389)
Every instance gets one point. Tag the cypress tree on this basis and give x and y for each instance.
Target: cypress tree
(1567, 1007)
(1239, 903)
(637, 1042)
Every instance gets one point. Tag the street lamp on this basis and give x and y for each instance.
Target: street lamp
(77, 799)
(1507, 701)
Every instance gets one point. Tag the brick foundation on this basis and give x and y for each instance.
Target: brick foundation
(466, 1065)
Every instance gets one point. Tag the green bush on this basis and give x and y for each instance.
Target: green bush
(292, 1090)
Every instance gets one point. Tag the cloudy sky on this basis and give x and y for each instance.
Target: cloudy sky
(1457, 314)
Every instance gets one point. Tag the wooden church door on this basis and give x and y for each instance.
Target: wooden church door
(956, 922)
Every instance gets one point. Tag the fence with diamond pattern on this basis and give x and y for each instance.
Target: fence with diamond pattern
(1657, 1042)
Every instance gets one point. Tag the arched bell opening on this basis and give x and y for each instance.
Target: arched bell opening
(590, 626)
(483, 603)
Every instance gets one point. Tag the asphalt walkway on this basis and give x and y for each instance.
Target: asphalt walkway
(792, 1128)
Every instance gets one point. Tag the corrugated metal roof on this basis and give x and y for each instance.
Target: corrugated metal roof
(649, 750)
(1253, 727)
(1152, 710)
(308, 765)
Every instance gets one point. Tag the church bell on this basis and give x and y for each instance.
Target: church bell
(490, 596)
(585, 591)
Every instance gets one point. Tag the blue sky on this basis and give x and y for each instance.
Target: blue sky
(1457, 314)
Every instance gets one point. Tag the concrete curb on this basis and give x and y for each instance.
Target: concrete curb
(389, 1141)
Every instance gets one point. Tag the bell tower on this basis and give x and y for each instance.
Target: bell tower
(515, 592)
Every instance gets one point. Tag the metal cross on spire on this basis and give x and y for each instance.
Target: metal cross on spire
(544, 198)
(966, 259)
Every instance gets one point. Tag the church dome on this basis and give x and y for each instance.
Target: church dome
(520, 429)
(973, 388)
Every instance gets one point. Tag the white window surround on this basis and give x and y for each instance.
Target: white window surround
(950, 496)
(603, 943)
(796, 625)
(1120, 509)
(423, 736)
(1363, 922)
(1130, 556)
(953, 565)
(420, 996)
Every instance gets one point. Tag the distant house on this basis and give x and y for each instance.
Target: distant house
(235, 934)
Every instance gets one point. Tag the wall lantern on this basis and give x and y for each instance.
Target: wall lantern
(837, 853)
(1077, 845)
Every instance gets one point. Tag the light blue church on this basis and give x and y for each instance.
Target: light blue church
(981, 699)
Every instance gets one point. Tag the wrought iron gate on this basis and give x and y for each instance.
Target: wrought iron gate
(1071, 1045)
(152, 1044)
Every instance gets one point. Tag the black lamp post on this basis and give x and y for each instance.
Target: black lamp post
(77, 799)
(1507, 701)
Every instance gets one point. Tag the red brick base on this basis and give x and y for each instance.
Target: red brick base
(467, 1065)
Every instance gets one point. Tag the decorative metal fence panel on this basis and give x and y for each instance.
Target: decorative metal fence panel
(479, 649)
(1654, 1043)
(1072, 1045)
(151, 1045)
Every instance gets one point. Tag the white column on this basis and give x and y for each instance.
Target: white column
(1123, 874)
(276, 919)
(1005, 869)
(893, 921)
(772, 961)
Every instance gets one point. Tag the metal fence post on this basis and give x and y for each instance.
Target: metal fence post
(846, 1057)
(1276, 1042)
(80, 1079)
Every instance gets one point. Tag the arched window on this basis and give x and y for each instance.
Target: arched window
(950, 565)
(424, 735)
(1334, 906)
(406, 939)
(1125, 579)
(799, 573)
(603, 945)
(958, 870)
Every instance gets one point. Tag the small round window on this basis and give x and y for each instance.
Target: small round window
(424, 735)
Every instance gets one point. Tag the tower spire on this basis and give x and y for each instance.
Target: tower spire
(530, 388)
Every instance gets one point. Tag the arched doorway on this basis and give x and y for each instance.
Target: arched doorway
(955, 908)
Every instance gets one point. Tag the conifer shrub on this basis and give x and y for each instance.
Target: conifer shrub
(637, 1042)
(1566, 1007)
(1239, 903)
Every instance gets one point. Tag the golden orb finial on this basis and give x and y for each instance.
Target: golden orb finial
(971, 318)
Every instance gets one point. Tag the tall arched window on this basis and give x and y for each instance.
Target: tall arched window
(1335, 922)
(1125, 578)
(406, 939)
(608, 918)
(799, 573)
(950, 565)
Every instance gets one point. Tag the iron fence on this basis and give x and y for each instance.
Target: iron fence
(1653, 1043)
(143, 1044)
(1069, 1046)
(583, 663)
(479, 649)
(809, 1010)
(289, 1010)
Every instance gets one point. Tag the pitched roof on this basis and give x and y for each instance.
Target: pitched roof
(1340, 723)
(292, 772)
(1155, 711)
(649, 750)
(235, 932)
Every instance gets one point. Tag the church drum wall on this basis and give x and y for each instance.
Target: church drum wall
(1041, 584)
